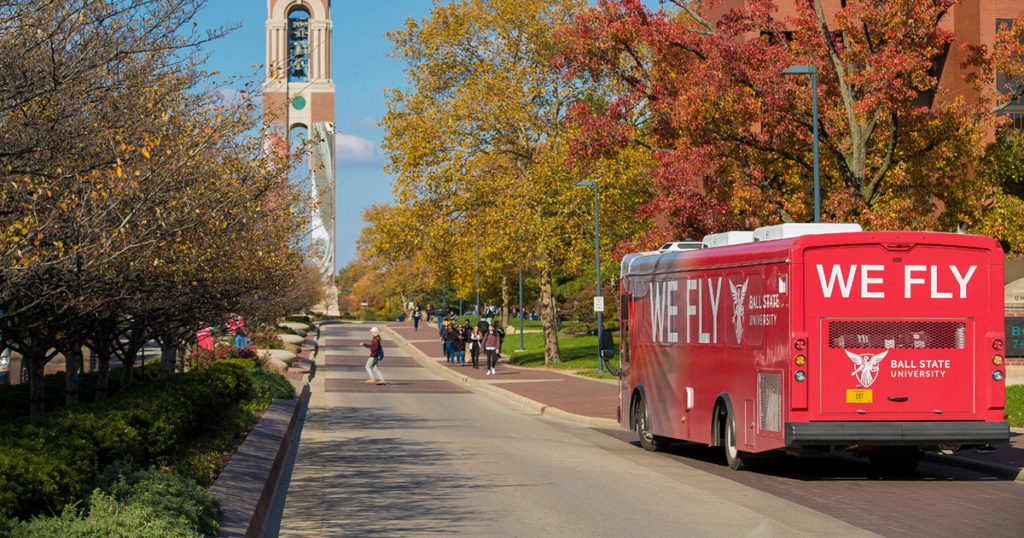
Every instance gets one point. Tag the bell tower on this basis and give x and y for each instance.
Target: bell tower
(298, 95)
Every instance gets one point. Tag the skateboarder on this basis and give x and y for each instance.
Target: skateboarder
(376, 354)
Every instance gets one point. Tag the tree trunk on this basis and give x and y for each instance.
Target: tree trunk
(127, 367)
(181, 359)
(504, 302)
(102, 375)
(547, 317)
(36, 391)
(168, 354)
(72, 363)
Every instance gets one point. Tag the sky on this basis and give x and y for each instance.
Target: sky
(361, 70)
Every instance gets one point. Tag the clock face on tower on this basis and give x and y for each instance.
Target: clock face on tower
(299, 102)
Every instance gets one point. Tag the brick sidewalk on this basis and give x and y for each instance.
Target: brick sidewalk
(574, 394)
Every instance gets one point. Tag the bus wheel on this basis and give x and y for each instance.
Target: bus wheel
(895, 461)
(737, 459)
(650, 442)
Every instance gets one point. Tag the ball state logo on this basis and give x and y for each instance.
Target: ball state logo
(739, 292)
(866, 366)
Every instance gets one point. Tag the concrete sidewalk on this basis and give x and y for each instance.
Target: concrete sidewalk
(593, 402)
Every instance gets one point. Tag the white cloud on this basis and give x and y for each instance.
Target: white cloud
(354, 149)
(367, 123)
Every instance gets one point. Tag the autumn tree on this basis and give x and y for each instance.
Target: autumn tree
(478, 145)
(732, 135)
(129, 191)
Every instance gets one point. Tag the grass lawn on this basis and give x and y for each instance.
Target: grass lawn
(577, 353)
(514, 322)
(1015, 405)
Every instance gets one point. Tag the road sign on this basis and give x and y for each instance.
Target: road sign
(1014, 337)
(598, 304)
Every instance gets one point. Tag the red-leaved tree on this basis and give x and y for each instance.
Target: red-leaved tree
(733, 135)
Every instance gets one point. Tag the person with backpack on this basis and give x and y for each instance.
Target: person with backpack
(448, 337)
(376, 355)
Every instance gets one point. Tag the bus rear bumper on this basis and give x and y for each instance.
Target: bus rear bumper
(897, 433)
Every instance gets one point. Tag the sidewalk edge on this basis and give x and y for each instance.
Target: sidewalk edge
(540, 408)
(999, 470)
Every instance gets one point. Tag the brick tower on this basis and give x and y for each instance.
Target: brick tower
(298, 92)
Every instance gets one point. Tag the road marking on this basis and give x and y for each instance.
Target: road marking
(497, 382)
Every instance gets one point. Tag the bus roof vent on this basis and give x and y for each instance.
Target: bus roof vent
(681, 245)
(796, 229)
(728, 238)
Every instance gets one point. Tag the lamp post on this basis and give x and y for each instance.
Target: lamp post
(597, 256)
(521, 347)
(813, 71)
(477, 280)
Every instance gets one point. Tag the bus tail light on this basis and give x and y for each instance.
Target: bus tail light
(798, 388)
(997, 359)
(997, 375)
(997, 344)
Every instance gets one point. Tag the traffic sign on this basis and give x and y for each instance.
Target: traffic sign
(599, 304)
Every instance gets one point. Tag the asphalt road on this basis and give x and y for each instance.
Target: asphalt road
(423, 456)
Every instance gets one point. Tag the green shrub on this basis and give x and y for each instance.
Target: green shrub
(255, 362)
(14, 398)
(1015, 405)
(132, 503)
(272, 382)
(367, 315)
(51, 459)
(167, 495)
(301, 319)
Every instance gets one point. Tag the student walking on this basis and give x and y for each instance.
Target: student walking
(448, 336)
(376, 354)
(460, 346)
(416, 315)
(475, 338)
(490, 343)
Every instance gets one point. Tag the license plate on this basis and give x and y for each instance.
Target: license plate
(858, 395)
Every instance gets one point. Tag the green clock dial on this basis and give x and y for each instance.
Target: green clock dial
(299, 102)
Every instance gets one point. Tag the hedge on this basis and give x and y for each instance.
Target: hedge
(50, 460)
(132, 503)
(14, 399)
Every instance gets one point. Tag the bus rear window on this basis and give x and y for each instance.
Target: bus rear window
(897, 334)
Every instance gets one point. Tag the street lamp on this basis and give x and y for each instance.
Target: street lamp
(813, 71)
(597, 256)
(478, 281)
(521, 347)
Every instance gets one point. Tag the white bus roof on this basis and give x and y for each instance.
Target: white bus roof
(796, 229)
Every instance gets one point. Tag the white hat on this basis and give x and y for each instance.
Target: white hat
(374, 330)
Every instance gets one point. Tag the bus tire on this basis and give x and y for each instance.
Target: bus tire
(737, 459)
(650, 442)
(898, 462)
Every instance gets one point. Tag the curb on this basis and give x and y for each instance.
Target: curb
(256, 467)
(485, 387)
(1000, 470)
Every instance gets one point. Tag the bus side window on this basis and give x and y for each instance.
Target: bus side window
(624, 327)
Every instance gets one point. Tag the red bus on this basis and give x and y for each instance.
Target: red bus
(809, 338)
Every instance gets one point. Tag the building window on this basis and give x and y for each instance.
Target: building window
(1007, 85)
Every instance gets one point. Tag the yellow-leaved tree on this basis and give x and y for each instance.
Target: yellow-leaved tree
(478, 144)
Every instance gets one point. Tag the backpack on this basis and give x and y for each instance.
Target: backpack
(380, 350)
